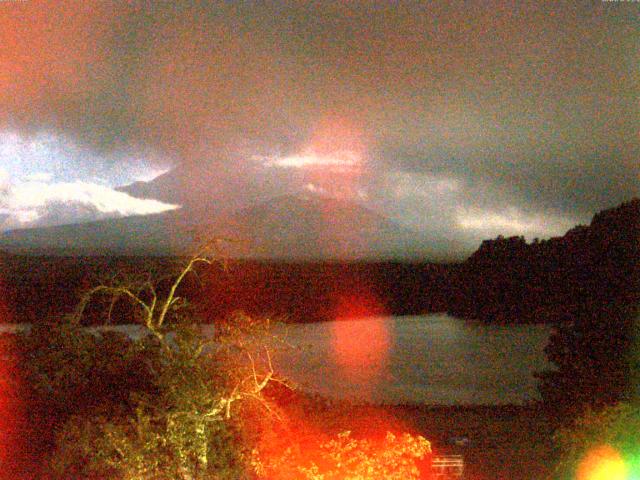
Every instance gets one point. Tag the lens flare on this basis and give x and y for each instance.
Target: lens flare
(332, 160)
(602, 463)
(7, 411)
(360, 348)
(338, 146)
(9, 405)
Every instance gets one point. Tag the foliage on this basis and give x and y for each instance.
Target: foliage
(614, 428)
(72, 369)
(593, 358)
(594, 350)
(180, 431)
(348, 458)
(508, 280)
(156, 407)
(171, 403)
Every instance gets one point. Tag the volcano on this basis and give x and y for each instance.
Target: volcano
(304, 226)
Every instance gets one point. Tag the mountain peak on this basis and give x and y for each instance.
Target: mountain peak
(297, 226)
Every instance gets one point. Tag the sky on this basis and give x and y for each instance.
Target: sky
(461, 120)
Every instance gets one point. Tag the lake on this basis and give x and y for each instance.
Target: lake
(433, 359)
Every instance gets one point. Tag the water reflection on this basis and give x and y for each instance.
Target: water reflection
(432, 359)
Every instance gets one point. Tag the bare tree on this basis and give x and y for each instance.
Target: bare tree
(173, 431)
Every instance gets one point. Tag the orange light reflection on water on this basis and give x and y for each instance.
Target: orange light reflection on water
(360, 348)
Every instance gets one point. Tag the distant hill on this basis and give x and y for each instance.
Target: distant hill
(313, 227)
(156, 234)
(290, 247)
(292, 227)
(510, 280)
(202, 193)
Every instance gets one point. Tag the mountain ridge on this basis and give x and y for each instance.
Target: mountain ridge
(305, 226)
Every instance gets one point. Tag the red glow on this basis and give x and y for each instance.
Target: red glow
(333, 162)
(302, 438)
(360, 347)
(9, 404)
(334, 136)
(8, 410)
(338, 145)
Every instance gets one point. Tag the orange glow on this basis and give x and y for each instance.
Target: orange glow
(334, 157)
(602, 463)
(360, 347)
(46, 52)
(301, 438)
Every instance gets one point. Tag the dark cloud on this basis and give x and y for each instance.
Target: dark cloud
(527, 105)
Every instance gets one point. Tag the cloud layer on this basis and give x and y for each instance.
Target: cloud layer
(36, 203)
(529, 109)
(45, 181)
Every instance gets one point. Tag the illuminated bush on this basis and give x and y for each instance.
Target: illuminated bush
(347, 458)
(170, 412)
(179, 430)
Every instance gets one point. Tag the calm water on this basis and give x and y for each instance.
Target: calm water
(421, 359)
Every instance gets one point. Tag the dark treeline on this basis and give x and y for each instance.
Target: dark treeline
(325, 291)
(586, 283)
(506, 280)
(36, 287)
(511, 281)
